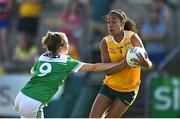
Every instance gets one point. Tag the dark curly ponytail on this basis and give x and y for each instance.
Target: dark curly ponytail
(130, 25)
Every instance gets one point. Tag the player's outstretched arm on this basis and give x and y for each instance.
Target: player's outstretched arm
(99, 66)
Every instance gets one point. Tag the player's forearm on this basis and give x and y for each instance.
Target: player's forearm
(98, 66)
(104, 66)
(117, 68)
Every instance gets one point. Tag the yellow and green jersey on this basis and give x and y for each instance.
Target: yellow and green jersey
(48, 75)
(127, 79)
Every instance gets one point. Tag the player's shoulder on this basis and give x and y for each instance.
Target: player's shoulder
(70, 59)
(107, 38)
(129, 34)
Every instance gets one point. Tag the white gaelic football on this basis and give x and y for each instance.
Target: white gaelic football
(132, 54)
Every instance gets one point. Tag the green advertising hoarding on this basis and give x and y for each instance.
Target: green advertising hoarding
(165, 96)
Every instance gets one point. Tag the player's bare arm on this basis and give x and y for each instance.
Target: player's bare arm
(98, 66)
(143, 61)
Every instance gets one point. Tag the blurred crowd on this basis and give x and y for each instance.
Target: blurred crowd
(24, 22)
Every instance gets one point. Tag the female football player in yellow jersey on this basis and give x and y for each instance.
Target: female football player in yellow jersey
(121, 84)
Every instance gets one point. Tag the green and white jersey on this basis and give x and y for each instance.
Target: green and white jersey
(48, 75)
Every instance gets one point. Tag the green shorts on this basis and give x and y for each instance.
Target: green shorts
(126, 97)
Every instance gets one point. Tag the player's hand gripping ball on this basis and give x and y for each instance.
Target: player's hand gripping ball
(132, 54)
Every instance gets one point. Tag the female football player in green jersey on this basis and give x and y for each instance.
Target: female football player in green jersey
(50, 72)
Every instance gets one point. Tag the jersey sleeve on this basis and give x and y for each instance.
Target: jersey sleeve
(73, 65)
(33, 69)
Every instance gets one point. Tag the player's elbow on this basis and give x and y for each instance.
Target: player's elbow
(108, 72)
(149, 65)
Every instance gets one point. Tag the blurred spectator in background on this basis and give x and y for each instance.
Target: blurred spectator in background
(96, 28)
(2, 70)
(163, 10)
(98, 10)
(153, 32)
(5, 7)
(97, 35)
(29, 13)
(25, 51)
(70, 21)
